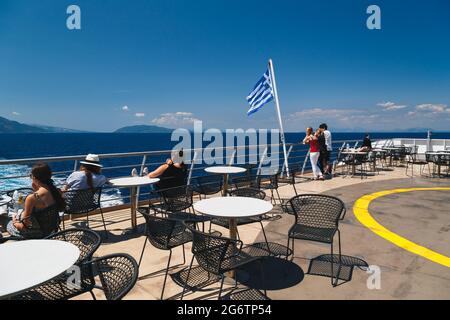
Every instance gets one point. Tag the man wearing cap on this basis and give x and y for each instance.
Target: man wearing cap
(88, 177)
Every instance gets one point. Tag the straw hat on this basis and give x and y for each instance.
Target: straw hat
(92, 160)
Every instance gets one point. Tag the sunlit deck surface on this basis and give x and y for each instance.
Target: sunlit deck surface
(420, 216)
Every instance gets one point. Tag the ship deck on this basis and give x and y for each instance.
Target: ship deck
(411, 249)
(420, 216)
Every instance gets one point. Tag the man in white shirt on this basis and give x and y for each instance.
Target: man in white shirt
(327, 167)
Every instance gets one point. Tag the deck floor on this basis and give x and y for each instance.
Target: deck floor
(420, 216)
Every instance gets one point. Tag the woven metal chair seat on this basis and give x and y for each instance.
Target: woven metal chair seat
(267, 249)
(312, 233)
(343, 269)
(223, 222)
(187, 216)
(208, 185)
(245, 294)
(199, 278)
(236, 259)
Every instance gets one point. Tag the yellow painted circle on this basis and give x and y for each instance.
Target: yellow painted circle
(361, 211)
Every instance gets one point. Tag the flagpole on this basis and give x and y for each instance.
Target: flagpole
(277, 104)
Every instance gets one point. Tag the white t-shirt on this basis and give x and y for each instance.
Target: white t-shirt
(328, 142)
(78, 180)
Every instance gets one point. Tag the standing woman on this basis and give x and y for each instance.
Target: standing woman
(314, 152)
(44, 198)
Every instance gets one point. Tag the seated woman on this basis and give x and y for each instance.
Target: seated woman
(88, 177)
(172, 174)
(45, 197)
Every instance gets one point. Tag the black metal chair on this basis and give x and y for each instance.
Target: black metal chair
(87, 241)
(217, 255)
(317, 219)
(117, 273)
(270, 182)
(244, 192)
(208, 185)
(413, 159)
(294, 170)
(166, 234)
(84, 201)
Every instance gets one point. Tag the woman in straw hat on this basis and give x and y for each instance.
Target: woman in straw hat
(88, 177)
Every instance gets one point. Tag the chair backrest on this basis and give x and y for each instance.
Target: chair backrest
(118, 274)
(160, 230)
(247, 181)
(82, 201)
(87, 241)
(248, 192)
(210, 184)
(272, 178)
(211, 251)
(319, 211)
(178, 198)
(48, 220)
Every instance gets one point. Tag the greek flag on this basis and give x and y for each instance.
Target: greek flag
(262, 93)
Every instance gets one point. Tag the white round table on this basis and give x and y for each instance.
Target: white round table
(27, 264)
(233, 208)
(225, 171)
(133, 183)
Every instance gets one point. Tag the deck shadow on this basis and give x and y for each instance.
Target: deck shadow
(277, 274)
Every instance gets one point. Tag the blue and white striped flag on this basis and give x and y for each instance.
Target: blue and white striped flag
(262, 93)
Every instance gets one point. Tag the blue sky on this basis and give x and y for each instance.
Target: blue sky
(171, 62)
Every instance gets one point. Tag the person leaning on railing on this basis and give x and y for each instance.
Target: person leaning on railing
(45, 197)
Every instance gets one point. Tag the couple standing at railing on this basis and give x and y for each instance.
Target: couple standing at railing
(320, 148)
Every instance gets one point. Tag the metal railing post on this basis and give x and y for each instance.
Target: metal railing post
(138, 189)
(284, 162)
(263, 157)
(191, 168)
(305, 161)
(232, 158)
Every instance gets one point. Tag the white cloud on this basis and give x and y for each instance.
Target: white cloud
(14, 113)
(322, 113)
(434, 108)
(390, 106)
(125, 108)
(140, 114)
(430, 110)
(175, 119)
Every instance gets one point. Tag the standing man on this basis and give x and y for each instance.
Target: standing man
(327, 167)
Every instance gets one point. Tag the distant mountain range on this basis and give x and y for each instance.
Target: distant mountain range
(143, 129)
(10, 126)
